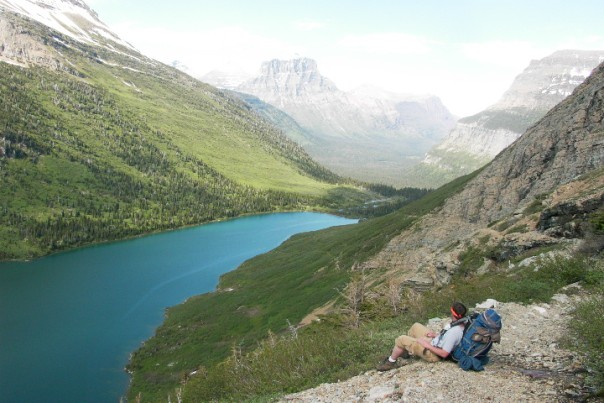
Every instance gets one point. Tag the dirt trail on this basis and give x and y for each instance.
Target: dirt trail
(528, 366)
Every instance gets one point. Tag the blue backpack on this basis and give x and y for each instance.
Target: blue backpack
(479, 335)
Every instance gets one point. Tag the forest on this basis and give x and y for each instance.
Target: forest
(76, 167)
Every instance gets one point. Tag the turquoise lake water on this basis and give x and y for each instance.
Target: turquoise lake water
(68, 322)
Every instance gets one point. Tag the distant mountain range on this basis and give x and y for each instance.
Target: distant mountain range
(477, 139)
(369, 134)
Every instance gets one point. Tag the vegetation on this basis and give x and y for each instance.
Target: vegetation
(324, 353)
(242, 333)
(263, 295)
(113, 147)
(516, 119)
(587, 331)
(432, 175)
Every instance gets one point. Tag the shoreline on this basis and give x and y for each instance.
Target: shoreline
(156, 232)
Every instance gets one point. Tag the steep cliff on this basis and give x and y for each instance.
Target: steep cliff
(368, 133)
(477, 139)
(559, 160)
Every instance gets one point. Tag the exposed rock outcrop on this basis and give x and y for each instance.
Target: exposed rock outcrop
(562, 154)
(18, 47)
(477, 139)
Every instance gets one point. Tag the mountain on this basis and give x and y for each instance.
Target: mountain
(540, 191)
(367, 134)
(224, 80)
(72, 18)
(489, 234)
(477, 139)
(99, 142)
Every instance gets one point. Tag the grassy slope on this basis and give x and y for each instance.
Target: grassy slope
(124, 147)
(284, 284)
(211, 127)
(329, 351)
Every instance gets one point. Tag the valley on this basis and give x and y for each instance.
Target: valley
(101, 143)
(117, 146)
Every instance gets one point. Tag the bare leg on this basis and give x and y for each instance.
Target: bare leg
(397, 352)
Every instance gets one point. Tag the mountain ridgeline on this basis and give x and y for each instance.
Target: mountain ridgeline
(368, 134)
(477, 139)
(98, 142)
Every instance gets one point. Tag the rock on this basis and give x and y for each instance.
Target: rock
(540, 309)
(562, 298)
(528, 365)
(380, 392)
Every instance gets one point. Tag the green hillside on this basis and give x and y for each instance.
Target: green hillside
(262, 295)
(113, 145)
(234, 344)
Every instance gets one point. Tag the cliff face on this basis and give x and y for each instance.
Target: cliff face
(567, 143)
(20, 49)
(558, 161)
(477, 139)
(368, 133)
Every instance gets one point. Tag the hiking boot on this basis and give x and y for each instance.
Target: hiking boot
(386, 365)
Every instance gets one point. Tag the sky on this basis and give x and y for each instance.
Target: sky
(467, 52)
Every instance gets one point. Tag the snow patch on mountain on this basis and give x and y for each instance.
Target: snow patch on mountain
(72, 18)
(477, 139)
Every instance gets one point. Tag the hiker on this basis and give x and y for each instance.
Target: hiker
(422, 342)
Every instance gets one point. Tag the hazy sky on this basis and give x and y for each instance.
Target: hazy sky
(467, 52)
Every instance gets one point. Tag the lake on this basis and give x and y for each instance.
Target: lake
(68, 322)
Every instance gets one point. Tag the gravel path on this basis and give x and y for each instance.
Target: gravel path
(528, 366)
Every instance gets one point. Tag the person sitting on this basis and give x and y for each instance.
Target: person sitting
(422, 342)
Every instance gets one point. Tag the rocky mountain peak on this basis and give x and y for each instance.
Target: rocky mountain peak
(368, 134)
(299, 66)
(282, 80)
(547, 81)
(72, 18)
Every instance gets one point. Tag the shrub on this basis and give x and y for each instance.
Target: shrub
(587, 328)
(284, 364)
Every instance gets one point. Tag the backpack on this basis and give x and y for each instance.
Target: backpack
(479, 335)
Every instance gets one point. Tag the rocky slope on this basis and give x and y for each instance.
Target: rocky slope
(529, 365)
(368, 134)
(555, 168)
(477, 139)
(72, 18)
